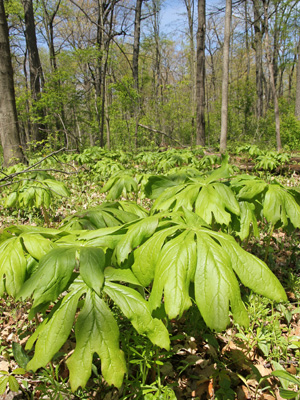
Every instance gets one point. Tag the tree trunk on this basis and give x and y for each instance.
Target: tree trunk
(258, 58)
(225, 78)
(35, 67)
(200, 87)
(135, 62)
(9, 129)
(272, 77)
(297, 106)
(189, 5)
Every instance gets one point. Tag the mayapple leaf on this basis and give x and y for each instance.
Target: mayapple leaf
(92, 263)
(52, 276)
(210, 203)
(279, 205)
(136, 234)
(57, 187)
(252, 271)
(167, 199)
(56, 331)
(213, 280)
(36, 245)
(96, 331)
(136, 309)
(146, 256)
(123, 275)
(121, 183)
(174, 271)
(157, 184)
(12, 265)
(11, 200)
(247, 220)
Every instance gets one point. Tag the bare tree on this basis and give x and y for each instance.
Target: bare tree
(297, 106)
(200, 86)
(272, 77)
(135, 61)
(9, 129)
(35, 67)
(225, 80)
(258, 57)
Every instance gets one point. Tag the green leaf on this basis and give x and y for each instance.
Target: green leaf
(136, 235)
(123, 275)
(157, 184)
(3, 384)
(136, 309)
(250, 188)
(213, 280)
(57, 188)
(210, 203)
(36, 245)
(174, 271)
(92, 264)
(252, 271)
(11, 200)
(52, 276)
(55, 331)
(13, 384)
(12, 265)
(288, 394)
(146, 256)
(279, 205)
(287, 376)
(247, 221)
(19, 355)
(96, 331)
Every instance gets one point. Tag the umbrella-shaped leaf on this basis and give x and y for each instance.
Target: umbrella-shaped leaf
(12, 265)
(247, 221)
(213, 280)
(92, 263)
(96, 331)
(136, 235)
(146, 256)
(52, 276)
(209, 203)
(279, 205)
(136, 309)
(252, 271)
(57, 187)
(174, 271)
(55, 331)
(36, 245)
(123, 275)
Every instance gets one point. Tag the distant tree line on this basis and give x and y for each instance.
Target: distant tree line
(79, 73)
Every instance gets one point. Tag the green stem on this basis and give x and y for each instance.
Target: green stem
(269, 241)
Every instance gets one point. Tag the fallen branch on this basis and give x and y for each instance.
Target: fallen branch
(9, 177)
(162, 133)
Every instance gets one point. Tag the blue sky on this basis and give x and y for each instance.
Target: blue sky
(173, 14)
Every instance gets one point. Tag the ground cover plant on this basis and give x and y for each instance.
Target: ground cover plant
(165, 275)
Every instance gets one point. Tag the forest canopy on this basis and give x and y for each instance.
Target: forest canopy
(105, 73)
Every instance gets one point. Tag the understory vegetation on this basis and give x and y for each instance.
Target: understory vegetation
(151, 275)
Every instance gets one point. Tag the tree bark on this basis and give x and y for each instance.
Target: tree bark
(200, 86)
(189, 5)
(297, 105)
(225, 79)
(135, 62)
(272, 77)
(9, 128)
(258, 58)
(35, 67)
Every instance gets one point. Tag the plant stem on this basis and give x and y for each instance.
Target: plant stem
(268, 243)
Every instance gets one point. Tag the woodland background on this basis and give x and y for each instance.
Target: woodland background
(101, 73)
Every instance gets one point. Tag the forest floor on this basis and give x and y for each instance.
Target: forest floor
(235, 364)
